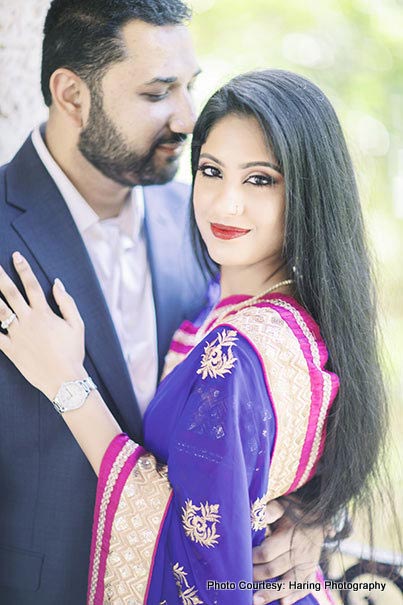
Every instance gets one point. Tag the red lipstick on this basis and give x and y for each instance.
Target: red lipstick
(227, 232)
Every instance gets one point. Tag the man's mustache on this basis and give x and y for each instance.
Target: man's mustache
(172, 139)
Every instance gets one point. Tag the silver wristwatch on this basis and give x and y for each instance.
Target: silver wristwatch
(72, 395)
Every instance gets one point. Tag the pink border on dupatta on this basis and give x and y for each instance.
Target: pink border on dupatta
(179, 347)
(316, 378)
(315, 373)
(320, 578)
(108, 460)
(232, 300)
(188, 326)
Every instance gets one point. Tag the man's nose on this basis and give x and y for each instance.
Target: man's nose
(184, 118)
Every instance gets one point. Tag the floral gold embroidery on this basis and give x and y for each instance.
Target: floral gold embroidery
(214, 361)
(258, 514)
(188, 594)
(201, 528)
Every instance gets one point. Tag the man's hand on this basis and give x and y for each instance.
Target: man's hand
(288, 554)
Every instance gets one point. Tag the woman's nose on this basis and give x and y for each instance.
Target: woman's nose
(234, 208)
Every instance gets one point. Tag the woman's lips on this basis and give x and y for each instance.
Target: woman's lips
(227, 232)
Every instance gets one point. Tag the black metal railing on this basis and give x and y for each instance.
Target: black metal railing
(369, 580)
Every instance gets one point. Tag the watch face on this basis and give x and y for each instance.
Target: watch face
(71, 393)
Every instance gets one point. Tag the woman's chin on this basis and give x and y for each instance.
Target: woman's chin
(224, 260)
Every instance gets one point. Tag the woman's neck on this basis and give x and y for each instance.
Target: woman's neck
(249, 280)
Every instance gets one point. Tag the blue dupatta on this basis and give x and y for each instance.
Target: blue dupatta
(241, 421)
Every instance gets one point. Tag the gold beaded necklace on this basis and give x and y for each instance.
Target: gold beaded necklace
(237, 307)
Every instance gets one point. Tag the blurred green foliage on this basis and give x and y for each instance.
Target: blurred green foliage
(353, 49)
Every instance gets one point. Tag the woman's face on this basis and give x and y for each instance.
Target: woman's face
(239, 196)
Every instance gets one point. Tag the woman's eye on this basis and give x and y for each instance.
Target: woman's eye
(209, 171)
(261, 180)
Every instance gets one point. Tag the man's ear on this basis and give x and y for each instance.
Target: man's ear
(70, 95)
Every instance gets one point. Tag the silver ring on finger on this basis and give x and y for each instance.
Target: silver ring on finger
(7, 322)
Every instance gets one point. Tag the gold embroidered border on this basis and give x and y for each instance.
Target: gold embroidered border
(126, 451)
(172, 359)
(210, 319)
(135, 532)
(184, 338)
(327, 387)
(289, 382)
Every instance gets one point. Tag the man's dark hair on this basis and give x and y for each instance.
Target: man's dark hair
(85, 35)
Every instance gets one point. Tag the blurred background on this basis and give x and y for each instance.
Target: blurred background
(353, 49)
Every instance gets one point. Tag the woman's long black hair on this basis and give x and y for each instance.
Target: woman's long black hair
(326, 252)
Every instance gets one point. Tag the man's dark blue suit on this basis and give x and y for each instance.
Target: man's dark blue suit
(47, 487)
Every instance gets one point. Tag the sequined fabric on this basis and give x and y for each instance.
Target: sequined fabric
(134, 533)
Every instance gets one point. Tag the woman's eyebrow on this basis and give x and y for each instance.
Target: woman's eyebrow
(243, 166)
(262, 163)
(211, 157)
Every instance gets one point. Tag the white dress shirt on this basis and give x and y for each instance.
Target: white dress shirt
(117, 248)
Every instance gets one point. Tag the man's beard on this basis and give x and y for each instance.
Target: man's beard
(104, 147)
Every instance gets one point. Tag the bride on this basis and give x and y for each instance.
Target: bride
(273, 391)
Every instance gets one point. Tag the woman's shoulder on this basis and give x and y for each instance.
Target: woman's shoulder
(280, 326)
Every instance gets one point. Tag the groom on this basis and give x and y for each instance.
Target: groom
(117, 77)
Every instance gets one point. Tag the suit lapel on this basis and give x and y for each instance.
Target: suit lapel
(164, 252)
(48, 230)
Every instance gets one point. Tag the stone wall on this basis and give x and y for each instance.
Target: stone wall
(21, 104)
